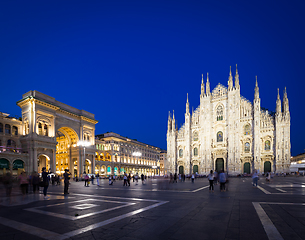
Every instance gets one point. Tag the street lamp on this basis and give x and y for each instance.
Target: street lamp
(84, 144)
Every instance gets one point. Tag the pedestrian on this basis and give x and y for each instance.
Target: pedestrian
(35, 182)
(211, 181)
(92, 179)
(45, 182)
(193, 177)
(125, 179)
(24, 182)
(8, 184)
(128, 179)
(98, 179)
(142, 178)
(183, 177)
(136, 178)
(222, 181)
(66, 181)
(175, 177)
(110, 180)
(215, 177)
(86, 180)
(254, 178)
(171, 178)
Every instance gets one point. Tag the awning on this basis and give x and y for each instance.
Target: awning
(4, 163)
(18, 164)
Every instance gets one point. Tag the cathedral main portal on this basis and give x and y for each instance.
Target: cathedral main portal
(219, 164)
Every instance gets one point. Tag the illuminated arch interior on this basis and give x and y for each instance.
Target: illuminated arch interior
(65, 137)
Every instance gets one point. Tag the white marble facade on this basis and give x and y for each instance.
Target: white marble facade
(228, 132)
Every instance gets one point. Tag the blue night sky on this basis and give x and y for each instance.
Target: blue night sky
(131, 62)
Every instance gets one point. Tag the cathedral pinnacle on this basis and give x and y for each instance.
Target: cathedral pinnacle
(236, 78)
(187, 104)
(278, 103)
(202, 87)
(208, 85)
(285, 102)
(230, 81)
(256, 93)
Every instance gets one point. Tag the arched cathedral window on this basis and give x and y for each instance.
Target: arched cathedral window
(247, 130)
(180, 152)
(195, 151)
(219, 136)
(267, 145)
(219, 113)
(46, 132)
(7, 129)
(195, 138)
(247, 147)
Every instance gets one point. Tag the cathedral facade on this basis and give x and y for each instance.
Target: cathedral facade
(228, 132)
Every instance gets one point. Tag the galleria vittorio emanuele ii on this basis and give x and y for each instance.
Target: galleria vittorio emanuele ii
(228, 132)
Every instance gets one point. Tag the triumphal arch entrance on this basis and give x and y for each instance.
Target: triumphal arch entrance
(57, 136)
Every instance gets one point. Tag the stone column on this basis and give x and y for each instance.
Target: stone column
(93, 164)
(35, 164)
(53, 161)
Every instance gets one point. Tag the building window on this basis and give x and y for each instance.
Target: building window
(15, 130)
(267, 145)
(1, 127)
(247, 129)
(195, 138)
(219, 113)
(46, 132)
(247, 147)
(195, 151)
(219, 136)
(7, 129)
(181, 153)
(39, 129)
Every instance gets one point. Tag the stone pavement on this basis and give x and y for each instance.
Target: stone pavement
(159, 210)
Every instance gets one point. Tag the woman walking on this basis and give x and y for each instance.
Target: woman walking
(211, 180)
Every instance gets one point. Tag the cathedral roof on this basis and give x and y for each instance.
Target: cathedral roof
(219, 91)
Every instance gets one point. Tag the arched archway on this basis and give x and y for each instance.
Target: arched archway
(247, 167)
(4, 166)
(219, 164)
(43, 161)
(66, 138)
(267, 166)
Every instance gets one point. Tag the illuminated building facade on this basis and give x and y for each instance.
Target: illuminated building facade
(231, 133)
(116, 154)
(57, 136)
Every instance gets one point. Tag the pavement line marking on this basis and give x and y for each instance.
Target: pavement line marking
(270, 229)
(143, 190)
(280, 203)
(264, 190)
(29, 229)
(111, 220)
(200, 189)
(280, 190)
(78, 217)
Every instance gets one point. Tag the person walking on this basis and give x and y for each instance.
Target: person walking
(215, 177)
(8, 184)
(193, 177)
(86, 180)
(222, 181)
(211, 181)
(98, 179)
(128, 179)
(125, 179)
(45, 182)
(24, 182)
(35, 182)
(255, 178)
(136, 178)
(66, 181)
(142, 178)
(110, 180)
(92, 179)
(175, 177)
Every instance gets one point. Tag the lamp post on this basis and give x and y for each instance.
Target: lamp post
(84, 144)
